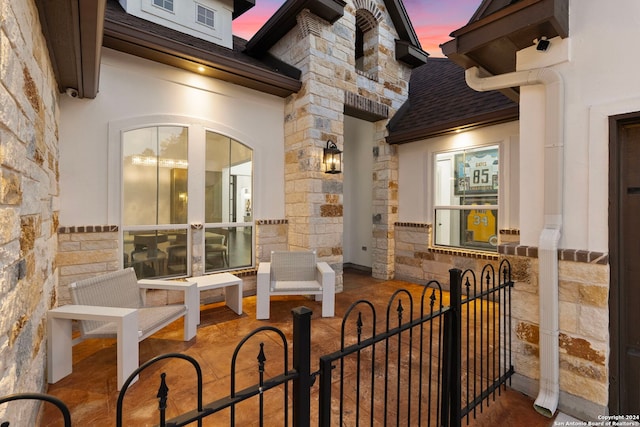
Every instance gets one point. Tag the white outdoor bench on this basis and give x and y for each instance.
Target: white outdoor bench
(295, 273)
(112, 306)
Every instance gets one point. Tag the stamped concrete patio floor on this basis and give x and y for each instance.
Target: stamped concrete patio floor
(91, 395)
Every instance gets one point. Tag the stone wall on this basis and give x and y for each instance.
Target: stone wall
(416, 260)
(85, 252)
(28, 200)
(583, 288)
(325, 53)
(583, 281)
(271, 235)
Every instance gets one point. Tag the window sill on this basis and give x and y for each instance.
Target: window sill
(467, 253)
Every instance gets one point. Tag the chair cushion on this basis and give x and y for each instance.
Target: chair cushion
(150, 320)
(296, 285)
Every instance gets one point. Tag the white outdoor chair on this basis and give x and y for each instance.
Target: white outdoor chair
(295, 273)
(112, 306)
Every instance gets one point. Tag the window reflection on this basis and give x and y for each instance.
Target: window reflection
(156, 199)
(156, 253)
(227, 248)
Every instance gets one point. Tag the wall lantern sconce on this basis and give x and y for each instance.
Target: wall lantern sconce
(332, 159)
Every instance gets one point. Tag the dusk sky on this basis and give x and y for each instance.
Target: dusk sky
(433, 20)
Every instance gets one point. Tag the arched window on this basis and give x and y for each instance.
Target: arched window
(166, 187)
(366, 43)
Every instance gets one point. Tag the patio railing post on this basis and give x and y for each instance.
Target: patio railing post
(455, 284)
(302, 364)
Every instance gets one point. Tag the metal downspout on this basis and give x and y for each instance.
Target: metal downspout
(548, 395)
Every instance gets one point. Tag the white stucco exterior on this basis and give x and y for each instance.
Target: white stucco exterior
(600, 79)
(133, 89)
(183, 17)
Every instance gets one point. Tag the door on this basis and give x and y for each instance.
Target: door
(625, 265)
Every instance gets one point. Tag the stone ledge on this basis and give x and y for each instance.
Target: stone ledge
(575, 255)
(413, 224)
(465, 253)
(271, 221)
(510, 232)
(88, 229)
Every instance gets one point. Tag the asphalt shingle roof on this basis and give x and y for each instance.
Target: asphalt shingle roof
(440, 101)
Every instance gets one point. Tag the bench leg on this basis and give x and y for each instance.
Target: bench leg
(59, 348)
(192, 318)
(127, 347)
(233, 297)
(262, 302)
(328, 301)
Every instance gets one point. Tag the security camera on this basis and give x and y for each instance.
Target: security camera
(73, 93)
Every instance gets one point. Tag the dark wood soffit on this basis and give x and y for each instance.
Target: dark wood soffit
(483, 120)
(401, 22)
(285, 18)
(492, 42)
(410, 54)
(163, 50)
(73, 30)
(241, 6)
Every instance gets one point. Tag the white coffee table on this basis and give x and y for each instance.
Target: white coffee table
(232, 288)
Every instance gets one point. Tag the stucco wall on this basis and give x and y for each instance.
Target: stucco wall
(28, 202)
(132, 88)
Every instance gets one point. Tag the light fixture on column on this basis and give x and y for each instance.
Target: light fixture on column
(332, 159)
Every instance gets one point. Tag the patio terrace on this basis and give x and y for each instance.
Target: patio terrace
(91, 395)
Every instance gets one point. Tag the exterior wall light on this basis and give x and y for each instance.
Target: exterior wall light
(542, 44)
(332, 160)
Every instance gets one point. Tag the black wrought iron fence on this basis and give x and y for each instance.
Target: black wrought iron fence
(431, 365)
(481, 337)
(389, 378)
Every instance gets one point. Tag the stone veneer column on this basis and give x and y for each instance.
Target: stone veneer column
(313, 116)
(325, 53)
(385, 208)
(28, 196)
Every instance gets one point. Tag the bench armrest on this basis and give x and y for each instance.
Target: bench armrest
(59, 341)
(325, 274)
(191, 300)
(264, 273)
(90, 312)
(264, 267)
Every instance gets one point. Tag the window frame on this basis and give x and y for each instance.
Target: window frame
(501, 207)
(196, 128)
(206, 9)
(164, 4)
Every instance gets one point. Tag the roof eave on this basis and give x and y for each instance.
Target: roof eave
(166, 51)
(284, 19)
(73, 30)
(241, 6)
(410, 54)
(463, 124)
(492, 42)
